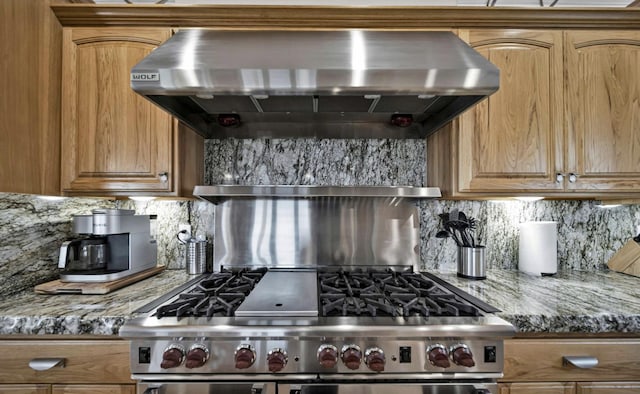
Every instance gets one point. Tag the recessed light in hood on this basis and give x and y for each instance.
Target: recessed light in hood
(328, 84)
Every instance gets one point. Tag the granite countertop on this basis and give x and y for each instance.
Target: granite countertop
(575, 302)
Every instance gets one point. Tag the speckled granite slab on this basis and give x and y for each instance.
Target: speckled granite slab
(578, 302)
(569, 302)
(36, 314)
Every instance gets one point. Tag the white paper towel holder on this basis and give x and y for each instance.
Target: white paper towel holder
(538, 248)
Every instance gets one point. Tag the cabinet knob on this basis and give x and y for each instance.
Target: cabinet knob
(573, 178)
(559, 177)
(43, 364)
(164, 176)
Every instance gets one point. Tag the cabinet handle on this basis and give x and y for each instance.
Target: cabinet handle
(573, 178)
(583, 362)
(164, 177)
(43, 364)
(559, 177)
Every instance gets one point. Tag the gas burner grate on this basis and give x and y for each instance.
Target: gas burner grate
(388, 293)
(218, 294)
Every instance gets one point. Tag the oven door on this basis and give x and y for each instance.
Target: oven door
(365, 387)
(177, 387)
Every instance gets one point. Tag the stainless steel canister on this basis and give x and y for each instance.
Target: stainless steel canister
(471, 263)
(196, 256)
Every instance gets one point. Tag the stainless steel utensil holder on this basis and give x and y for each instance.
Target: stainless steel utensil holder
(196, 256)
(471, 262)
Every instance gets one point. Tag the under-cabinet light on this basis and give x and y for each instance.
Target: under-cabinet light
(141, 198)
(609, 206)
(528, 198)
(51, 198)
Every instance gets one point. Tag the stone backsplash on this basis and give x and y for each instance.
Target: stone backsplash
(315, 162)
(32, 229)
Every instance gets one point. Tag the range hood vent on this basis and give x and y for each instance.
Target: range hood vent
(327, 84)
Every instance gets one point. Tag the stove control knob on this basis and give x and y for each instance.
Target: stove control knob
(374, 358)
(276, 360)
(351, 356)
(196, 356)
(461, 355)
(245, 356)
(438, 356)
(328, 356)
(172, 357)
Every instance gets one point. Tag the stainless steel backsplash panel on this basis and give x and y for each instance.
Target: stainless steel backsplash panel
(316, 232)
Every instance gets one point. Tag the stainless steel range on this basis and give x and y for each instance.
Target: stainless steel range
(316, 290)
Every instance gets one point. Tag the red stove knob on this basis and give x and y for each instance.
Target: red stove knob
(351, 356)
(172, 357)
(438, 356)
(461, 355)
(244, 357)
(276, 360)
(328, 356)
(374, 358)
(197, 356)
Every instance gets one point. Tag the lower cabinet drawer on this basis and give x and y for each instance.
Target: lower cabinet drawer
(542, 360)
(80, 361)
(608, 388)
(24, 389)
(537, 388)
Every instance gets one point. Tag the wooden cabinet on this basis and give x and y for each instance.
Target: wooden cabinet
(93, 389)
(114, 141)
(564, 122)
(537, 388)
(602, 112)
(30, 100)
(510, 142)
(25, 389)
(570, 388)
(536, 365)
(87, 366)
(67, 389)
(608, 388)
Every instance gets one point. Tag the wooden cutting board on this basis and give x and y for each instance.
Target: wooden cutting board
(627, 259)
(59, 287)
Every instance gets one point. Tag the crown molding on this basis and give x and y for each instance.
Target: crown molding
(336, 17)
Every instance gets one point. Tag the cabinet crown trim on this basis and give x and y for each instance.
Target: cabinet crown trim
(336, 17)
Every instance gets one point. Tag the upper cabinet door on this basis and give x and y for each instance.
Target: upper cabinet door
(603, 109)
(113, 140)
(511, 142)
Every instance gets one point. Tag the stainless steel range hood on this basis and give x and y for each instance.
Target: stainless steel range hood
(327, 84)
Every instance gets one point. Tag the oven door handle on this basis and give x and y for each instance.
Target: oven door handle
(295, 389)
(153, 390)
(258, 388)
(481, 389)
